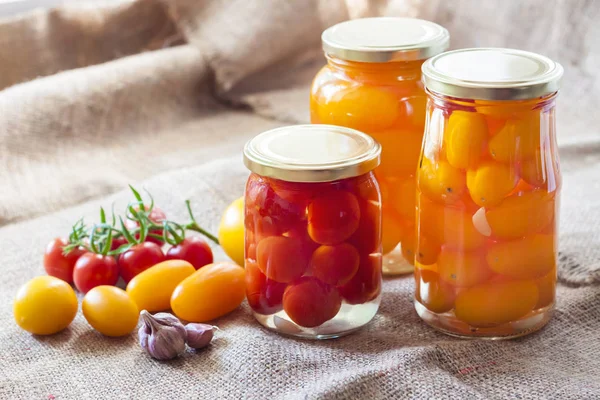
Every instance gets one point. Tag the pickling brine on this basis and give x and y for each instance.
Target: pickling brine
(488, 192)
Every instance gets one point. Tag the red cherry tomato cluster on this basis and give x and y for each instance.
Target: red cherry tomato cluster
(102, 254)
(310, 247)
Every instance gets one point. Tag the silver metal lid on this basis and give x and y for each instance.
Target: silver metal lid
(492, 74)
(385, 39)
(311, 153)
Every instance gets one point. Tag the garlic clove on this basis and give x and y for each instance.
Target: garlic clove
(480, 222)
(161, 340)
(199, 335)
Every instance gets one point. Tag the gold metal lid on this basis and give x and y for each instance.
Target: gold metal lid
(492, 74)
(385, 39)
(311, 153)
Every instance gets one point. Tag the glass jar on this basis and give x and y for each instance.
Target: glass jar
(313, 230)
(488, 190)
(372, 83)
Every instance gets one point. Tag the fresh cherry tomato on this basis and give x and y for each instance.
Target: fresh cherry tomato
(194, 250)
(59, 265)
(118, 242)
(139, 258)
(310, 302)
(110, 311)
(157, 216)
(264, 295)
(93, 270)
(211, 292)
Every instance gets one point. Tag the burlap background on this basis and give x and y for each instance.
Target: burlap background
(163, 95)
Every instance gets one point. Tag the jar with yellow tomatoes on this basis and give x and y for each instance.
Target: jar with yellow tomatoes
(313, 230)
(488, 190)
(372, 83)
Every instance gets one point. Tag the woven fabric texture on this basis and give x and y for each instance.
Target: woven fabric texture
(163, 94)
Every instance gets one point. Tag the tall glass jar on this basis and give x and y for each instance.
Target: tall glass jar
(488, 190)
(313, 230)
(372, 82)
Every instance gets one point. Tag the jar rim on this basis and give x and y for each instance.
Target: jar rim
(385, 39)
(492, 74)
(312, 153)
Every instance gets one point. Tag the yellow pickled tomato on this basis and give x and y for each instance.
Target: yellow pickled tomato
(530, 257)
(541, 171)
(547, 288)
(427, 250)
(402, 198)
(432, 292)
(462, 269)
(362, 107)
(440, 181)
(521, 214)
(501, 110)
(400, 151)
(415, 111)
(492, 304)
(465, 137)
(449, 226)
(517, 140)
(391, 230)
(490, 183)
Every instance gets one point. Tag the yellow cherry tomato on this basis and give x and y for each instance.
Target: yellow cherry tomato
(363, 107)
(211, 292)
(491, 182)
(530, 257)
(496, 303)
(517, 140)
(521, 214)
(547, 288)
(400, 151)
(45, 305)
(465, 137)
(391, 230)
(231, 231)
(110, 311)
(462, 269)
(440, 181)
(151, 289)
(447, 226)
(431, 291)
(403, 197)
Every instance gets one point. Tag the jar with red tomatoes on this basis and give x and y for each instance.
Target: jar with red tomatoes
(313, 230)
(488, 190)
(372, 82)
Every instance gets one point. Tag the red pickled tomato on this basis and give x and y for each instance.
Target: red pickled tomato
(367, 238)
(264, 295)
(310, 303)
(333, 218)
(365, 285)
(281, 258)
(335, 265)
(300, 234)
(269, 212)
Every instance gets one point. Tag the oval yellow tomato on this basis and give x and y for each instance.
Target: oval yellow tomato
(211, 292)
(151, 290)
(530, 257)
(495, 303)
(45, 305)
(231, 231)
(110, 311)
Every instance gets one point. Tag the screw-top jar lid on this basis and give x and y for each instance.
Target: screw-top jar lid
(385, 39)
(492, 74)
(311, 153)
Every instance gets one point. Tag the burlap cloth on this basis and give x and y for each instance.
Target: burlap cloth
(163, 95)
